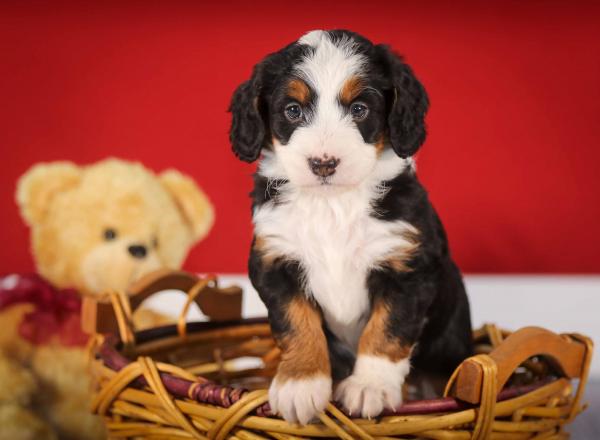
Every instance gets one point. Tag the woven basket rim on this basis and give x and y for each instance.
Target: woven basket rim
(209, 392)
(163, 331)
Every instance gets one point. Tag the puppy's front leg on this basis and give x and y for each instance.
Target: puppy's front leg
(381, 365)
(302, 387)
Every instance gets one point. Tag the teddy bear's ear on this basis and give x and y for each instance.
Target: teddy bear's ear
(191, 201)
(37, 187)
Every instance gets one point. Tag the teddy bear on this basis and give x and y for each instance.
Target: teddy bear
(103, 226)
(94, 228)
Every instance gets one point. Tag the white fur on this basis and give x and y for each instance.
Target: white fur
(300, 400)
(329, 131)
(337, 241)
(375, 384)
(329, 228)
(312, 38)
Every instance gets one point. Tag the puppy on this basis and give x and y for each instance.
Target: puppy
(348, 255)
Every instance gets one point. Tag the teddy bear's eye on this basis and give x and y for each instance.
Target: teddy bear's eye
(110, 234)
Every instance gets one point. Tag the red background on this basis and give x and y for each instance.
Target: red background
(512, 157)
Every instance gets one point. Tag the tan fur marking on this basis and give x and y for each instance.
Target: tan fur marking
(379, 146)
(267, 256)
(375, 339)
(351, 89)
(399, 260)
(298, 90)
(304, 350)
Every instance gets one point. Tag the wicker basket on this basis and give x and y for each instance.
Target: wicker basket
(209, 380)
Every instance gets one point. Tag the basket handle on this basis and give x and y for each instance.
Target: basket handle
(571, 353)
(219, 304)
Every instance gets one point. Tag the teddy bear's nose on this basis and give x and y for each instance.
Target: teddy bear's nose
(137, 251)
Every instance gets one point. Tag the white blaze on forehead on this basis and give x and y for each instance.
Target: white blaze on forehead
(330, 65)
(329, 129)
(312, 38)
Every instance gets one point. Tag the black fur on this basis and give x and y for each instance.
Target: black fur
(247, 134)
(374, 126)
(397, 113)
(409, 103)
(429, 304)
(252, 102)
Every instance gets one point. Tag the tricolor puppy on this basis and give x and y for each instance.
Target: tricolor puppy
(349, 256)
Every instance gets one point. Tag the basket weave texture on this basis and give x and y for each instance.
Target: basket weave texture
(209, 381)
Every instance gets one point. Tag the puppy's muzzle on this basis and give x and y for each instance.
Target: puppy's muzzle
(323, 166)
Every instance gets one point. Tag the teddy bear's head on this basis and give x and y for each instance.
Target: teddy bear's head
(103, 226)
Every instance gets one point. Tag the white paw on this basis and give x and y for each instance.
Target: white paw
(367, 398)
(300, 400)
(375, 384)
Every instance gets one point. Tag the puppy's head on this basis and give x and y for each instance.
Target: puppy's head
(328, 110)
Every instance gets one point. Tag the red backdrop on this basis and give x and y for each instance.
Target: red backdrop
(511, 161)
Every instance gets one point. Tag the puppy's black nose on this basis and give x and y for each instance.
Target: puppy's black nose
(323, 166)
(137, 251)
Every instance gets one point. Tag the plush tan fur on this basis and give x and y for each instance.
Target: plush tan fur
(35, 383)
(68, 209)
(45, 391)
(20, 423)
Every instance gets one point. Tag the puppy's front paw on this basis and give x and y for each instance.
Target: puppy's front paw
(367, 398)
(300, 400)
(375, 384)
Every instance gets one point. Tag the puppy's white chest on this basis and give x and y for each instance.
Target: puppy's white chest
(337, 243)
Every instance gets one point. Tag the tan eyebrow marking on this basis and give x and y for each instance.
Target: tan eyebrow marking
(298, 90)
(351, 89)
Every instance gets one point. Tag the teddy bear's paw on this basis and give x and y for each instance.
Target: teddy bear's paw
(300, 400)
(375, 384)
(17, 383)
(17, 422)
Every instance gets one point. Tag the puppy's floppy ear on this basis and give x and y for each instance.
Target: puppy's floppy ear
(408, 104)
(248, 129)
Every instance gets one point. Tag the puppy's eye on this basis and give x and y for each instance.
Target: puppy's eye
(293, 112)
(358, 110)
(110, 234)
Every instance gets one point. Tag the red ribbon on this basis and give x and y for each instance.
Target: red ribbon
(56, 315)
